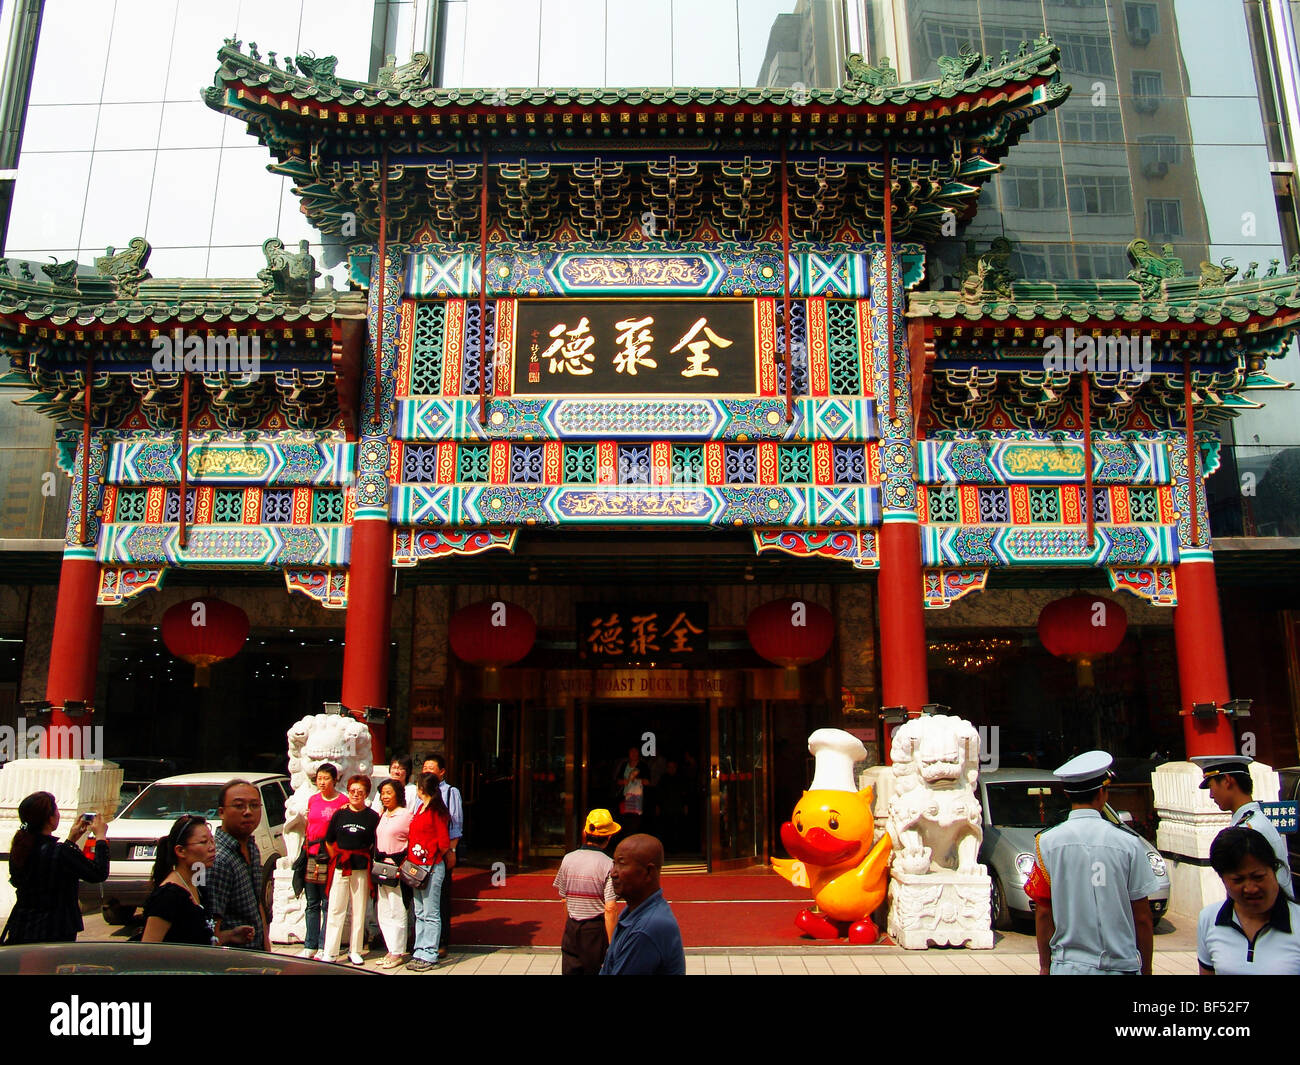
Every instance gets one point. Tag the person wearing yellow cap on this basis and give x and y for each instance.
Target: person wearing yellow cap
(588, 893)
(1227, 779)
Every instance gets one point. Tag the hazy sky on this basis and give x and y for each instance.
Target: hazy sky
(608, 42)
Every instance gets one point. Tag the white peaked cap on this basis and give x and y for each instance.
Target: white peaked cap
(835, 751)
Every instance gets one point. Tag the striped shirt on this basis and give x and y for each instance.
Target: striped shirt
(584, 884)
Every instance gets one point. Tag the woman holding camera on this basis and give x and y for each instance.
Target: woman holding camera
(46, 873)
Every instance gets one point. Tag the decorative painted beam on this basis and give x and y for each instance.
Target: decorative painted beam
(1015, 545)
(857, 546)
(329, 587)
(843, 420)
(117, 584)
(1041, 462)
(498, 505)
(411, 545)
(284, 458)
(943, 587)
(1158, 585)
(272, 546)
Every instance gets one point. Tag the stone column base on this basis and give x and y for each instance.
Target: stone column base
(944, 909)
(1192, 887)
(289, 914)
(79, 785)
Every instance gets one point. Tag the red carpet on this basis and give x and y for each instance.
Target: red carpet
(754, 909)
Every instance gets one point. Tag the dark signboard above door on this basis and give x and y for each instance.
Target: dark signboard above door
(659, 634)
(636, 347)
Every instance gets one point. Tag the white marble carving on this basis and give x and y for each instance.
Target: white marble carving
(940, 892)
(342, 741)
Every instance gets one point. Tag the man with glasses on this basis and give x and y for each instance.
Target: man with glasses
(236, 877)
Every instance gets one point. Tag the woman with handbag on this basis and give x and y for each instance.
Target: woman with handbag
(430, 839)
(350, 840)
(46, 873)
(393, 897)
(321, 807)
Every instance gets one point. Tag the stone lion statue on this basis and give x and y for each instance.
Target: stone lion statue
(934, 817)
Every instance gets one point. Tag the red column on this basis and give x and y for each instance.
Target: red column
(369, 621)
(902, 623)
(74, 653)
(1202, 665)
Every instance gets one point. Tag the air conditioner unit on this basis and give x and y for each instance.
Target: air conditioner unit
(1146, 105)
(1155, 168)
(1139, 36)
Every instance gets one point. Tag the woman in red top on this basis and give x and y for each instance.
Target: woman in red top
(429, 841)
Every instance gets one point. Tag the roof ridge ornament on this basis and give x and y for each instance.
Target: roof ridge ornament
(409, 75)
(126, 269)
(1151, 271)
(287, 273)
(63, 277)
(321, 70)
(862, 74)
(986, 276)
(954, 71)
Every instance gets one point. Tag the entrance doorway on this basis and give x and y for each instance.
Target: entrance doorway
(669, 743)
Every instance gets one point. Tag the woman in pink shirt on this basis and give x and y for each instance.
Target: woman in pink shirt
(320, 808)
(393, 898)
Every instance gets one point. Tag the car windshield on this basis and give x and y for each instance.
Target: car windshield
(1014, 804)
(165, 802)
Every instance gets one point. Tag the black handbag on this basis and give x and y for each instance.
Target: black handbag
(414, 875)
(385, 872)
(300, 872)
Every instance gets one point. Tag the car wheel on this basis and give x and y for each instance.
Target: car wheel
(999, 911)
(268, 886)
(117, 914)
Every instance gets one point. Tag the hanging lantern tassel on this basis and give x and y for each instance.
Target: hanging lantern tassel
(1083, 673)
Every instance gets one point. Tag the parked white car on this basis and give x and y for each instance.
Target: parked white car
(133, 835)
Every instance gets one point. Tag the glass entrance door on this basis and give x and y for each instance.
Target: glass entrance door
(741, 786)
(647, 763)
(485, 773)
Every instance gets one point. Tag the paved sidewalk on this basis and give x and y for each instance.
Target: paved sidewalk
(1013, 954)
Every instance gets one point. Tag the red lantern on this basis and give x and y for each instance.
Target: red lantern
(791, 633)
(492, 634)
(1082, 628)
(203, 631)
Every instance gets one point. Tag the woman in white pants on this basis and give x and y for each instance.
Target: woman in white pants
(394, 898)
(351, 843)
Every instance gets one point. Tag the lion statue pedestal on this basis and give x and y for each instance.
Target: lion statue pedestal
(342, 741)
(939, 893)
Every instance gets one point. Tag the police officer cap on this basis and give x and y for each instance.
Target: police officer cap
(1216, 765)
(1086, 772)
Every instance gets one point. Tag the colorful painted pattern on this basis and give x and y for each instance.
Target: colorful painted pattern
(636, 504)
(692, 269)
(943, 587)
(285, 458)
(1036, 461)
(990, 545)
(329, 587)
(1020, 504)
(117, 584)
(225, 545)
(410, 546)
(1158, 585)
(857, 547)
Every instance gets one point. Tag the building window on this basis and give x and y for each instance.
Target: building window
(1089, 125)
(1095, 194)
(1148, 87)
(943, 38)
(1032, 188)
(1142, 21)
(1158, 154)
(1101, 260)
(1086, 53)
(1165, 218)
(1041, 260)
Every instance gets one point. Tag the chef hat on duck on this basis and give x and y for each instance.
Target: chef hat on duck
(835, 752)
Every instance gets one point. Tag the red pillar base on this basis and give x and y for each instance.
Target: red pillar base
(1202, 664)
(369, 623)
(74, 652)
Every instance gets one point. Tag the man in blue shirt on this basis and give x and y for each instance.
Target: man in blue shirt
(647, 941)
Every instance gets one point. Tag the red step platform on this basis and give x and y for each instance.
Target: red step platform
(747, 909)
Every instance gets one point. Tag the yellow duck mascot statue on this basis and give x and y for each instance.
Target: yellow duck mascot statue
(830, 838)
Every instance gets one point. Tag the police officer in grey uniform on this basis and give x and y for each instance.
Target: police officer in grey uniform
(1090, 883)
(1227, 779)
